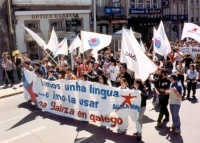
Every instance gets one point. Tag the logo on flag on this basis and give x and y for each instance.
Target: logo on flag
(93, 42)
(194, 30)
(157, 42)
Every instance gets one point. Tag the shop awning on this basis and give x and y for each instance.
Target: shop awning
(29, 38)
(118, 35)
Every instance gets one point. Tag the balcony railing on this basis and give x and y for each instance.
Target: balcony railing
(175, 17)
(52, 2)
(101, 11)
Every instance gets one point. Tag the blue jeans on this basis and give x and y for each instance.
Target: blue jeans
(174, 108)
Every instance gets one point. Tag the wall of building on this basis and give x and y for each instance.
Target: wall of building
(44, 24)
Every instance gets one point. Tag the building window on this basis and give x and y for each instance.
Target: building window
(133, 3)
(197, 19)
(192, 19)
(57, 24)
(197, 2)
(32, 24)
(192, 1)
(155, 4)
(100, 3)
(140, 4)
(148, 4)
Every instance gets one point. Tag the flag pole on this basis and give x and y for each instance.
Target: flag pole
(49, 56)
(46, 57)
(83, 51)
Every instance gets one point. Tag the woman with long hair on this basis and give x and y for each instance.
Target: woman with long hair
(139, 85)
(191, 81)
(103, 79)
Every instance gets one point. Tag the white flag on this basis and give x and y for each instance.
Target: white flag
(132, 55)
(61, 48)
(91, 40)
(37, 38)
(192, 31)
(166, 45)
(75, 44)
(142, 45)
(53, 41)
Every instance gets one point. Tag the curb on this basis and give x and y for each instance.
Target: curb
(11, 94)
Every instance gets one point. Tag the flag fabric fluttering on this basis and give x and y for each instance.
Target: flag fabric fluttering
(75, 44)
(53, 41)
(37, 38)
(134, 57)
(192, 31)
(161, 31)
(91, 40)
(62, 48)
(142, 45)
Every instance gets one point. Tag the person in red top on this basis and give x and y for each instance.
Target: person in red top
(81, 69)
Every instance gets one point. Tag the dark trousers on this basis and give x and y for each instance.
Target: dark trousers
(181, 79)
(9, 77)
(163, 99)
(19, 73)
(4, 74)
(190, 86)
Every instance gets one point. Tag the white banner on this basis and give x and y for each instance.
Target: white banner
(88, 101)
(193, 51)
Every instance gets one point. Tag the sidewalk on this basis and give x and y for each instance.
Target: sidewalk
(17, 88)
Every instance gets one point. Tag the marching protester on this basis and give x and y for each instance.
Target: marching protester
(197, 62)
(139, 85)
(178, 56)
(91, 74)
(97, 69)
(69, 75)
(180, 71)
(3, 63)
(164, 85)
(28, 66)
(18, 63)
(103, 79)
(191, 81)
(124, 74)
(51, 76)
(175, 97)
(9, 71)
(113, 72)
(188, 60)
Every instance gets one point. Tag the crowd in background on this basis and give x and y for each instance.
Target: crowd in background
(108, 70)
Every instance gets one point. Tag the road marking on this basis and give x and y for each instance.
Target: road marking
(23, 135)
(13, 118)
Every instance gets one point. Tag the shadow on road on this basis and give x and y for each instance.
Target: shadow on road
(100, 135)
(170, 135)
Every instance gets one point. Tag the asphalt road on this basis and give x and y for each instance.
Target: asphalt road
(22, 123)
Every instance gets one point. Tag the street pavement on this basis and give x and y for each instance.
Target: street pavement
(20, 122)
(6, 91)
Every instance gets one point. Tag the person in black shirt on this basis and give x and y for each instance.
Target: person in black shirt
(91, 74)
(164, 84)
(125, 74)
(188, 60)
(18, 63)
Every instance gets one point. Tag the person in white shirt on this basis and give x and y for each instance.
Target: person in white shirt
(113, 71)
(178, 56)
(191, 81)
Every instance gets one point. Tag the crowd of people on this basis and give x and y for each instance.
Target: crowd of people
(176, 76)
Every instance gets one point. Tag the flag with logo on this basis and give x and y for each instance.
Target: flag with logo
(134, 57)
(192, 31)
(91, 40)
(166, 45)
(62, 48)
(37, 38)
(53, 41)
(75, 44)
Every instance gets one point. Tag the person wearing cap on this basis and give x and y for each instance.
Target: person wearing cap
(175, 97)
(164, 85)
(180, 71)
(97, 69)
(18, 63)
(191, 81)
